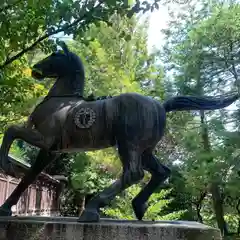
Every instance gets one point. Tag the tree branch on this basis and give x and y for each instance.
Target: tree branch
(135, 8)
(47, 35)
(198, 204)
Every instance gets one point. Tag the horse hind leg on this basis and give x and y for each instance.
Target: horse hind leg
(132, 174)
(159, 174)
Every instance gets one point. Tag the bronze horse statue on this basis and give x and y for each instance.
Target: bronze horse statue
(64, 122)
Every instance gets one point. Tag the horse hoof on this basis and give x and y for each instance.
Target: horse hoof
(90, 215)
(139, 209)
(5, 212)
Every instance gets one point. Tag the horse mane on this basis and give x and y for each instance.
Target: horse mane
(79, 81)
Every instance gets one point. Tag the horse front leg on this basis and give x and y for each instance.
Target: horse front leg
(30, 136)
(43, 159)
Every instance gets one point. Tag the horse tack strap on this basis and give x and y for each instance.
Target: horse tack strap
(65, 95)
(89, 98)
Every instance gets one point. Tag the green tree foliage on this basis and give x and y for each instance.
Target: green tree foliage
(25, 24)
(17, 92)
(116, 57)
(203, 58)
(158, 202)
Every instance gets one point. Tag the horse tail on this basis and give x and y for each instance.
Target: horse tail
(181, 103)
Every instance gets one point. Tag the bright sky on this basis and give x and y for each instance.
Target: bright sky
(158, 21)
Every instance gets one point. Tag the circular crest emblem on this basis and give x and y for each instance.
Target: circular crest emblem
(84, 118)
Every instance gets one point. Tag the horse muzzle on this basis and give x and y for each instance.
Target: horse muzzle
(37, 74)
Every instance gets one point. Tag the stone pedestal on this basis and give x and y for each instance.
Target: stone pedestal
(58, 228)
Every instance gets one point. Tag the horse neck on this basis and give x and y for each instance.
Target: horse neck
(67, 85)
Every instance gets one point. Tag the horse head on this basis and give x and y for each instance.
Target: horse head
(62, 64)
(58, 64)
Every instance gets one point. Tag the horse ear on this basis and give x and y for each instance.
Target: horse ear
(64, 47)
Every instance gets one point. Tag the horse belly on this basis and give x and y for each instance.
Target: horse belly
(86, 140)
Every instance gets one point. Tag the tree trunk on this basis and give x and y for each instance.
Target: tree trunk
(199, 206)
(82, 205)
(238, 230)
(218, 208)
(214, 185)
(238, 210)
(199, 216)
